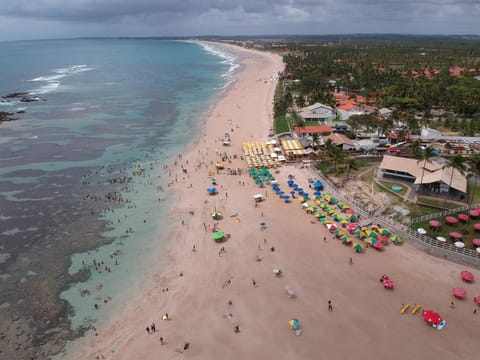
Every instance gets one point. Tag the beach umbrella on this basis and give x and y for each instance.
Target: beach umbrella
(353, 217)
(383, 238)
(325, 220)
(396, 239)
(351, 227)
(285, 197)
(476, 242)
(358, 247)
(476, 299)
(317, 193)
(318, 185)
(459, 244)
(326, 197)
(216, 215)
(378, 245)
(450, 220)
(277, 271)
(218, 236)
(474, 213)
(455, 235)
(476, 227)
(459, 293)
(294, 323)
(432, 317)
(374, 227)
(384, 231)
(467, 276)
(358, 233)
(346, 239)
(463, 217)
(371, 240)
(344, 221)
(290, 183)
(434, 224)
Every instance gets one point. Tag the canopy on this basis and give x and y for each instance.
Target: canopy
(318, 185)
(459, 293)
(432, 317)
(434, 223)
(441, 238)
(476, 242)
(421, 231)
(459, 244)
(476, 227)
(217, 236)
(466, 276)
(463, 217)
(451, 220)
(294, 323)
(455, 235)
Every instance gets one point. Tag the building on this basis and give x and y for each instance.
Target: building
(340, 140)
(431, 177)
(310, 130)
(317, 112)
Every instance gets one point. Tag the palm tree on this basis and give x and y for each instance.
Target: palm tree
(475, 170)
(315, 141)
(351, 164)
(415, 148)
(455, 163)
(427, 154)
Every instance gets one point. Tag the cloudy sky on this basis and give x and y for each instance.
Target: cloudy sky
(33, 19)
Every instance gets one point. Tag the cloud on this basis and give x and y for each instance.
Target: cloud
(228, 17)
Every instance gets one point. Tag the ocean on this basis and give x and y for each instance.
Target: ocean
(83, 195)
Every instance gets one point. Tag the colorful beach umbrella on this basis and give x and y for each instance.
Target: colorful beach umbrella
(450, 220)
(294, 323)
(463, 217)
(358, 247)
(396, 239)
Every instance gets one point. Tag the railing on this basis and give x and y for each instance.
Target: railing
(429, 245)
(443, 213)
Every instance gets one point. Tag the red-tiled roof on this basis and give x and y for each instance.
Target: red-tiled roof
(313, 129)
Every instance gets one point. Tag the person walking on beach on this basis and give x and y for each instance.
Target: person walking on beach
(330, 306)
(254, 283)
(153, 327)
(350, 261)
(162, 340)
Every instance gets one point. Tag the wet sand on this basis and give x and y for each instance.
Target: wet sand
(365, 321)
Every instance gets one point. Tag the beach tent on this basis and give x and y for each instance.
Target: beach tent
(258, 197)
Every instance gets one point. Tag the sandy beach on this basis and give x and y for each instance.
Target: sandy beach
(365, 322)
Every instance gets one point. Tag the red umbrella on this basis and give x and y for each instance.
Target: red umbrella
(467, 275)
(477, 299)
(476, 242)
(459, 293)
(455, 235)
(351, 227)
(463, 217)
(432, 317)
(378, 245)
(434, 224)
(388, 284)
(451, 220)
(383, 239)
(474, 213)
(476, 227)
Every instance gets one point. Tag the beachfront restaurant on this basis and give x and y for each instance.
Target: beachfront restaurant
(430, 178)
(292, 149)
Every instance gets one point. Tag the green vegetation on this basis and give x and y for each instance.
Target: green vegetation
(280, 124)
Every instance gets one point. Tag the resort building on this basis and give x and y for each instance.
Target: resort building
(430, 177)
(317, 112)
(322, 130)
(340, 140)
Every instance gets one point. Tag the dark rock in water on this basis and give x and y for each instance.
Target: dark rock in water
(6, 116)
(30, 98)
(21, 112)
(15, 95)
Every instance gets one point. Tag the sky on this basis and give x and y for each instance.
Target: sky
(40, 19)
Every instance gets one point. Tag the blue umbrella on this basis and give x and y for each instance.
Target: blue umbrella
(318, 185)
(281, 193)
(290, 183)
(300, 190)
(295, 186)
(305, 195)
(292, 192)
(285, 197)
(274, 185)
(317, 193)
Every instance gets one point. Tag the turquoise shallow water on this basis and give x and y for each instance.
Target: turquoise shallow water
(68, 194)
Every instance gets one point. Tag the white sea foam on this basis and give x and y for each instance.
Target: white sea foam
(228, 59)
(52, 82)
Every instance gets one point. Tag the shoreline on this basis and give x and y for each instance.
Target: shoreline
(365, 319)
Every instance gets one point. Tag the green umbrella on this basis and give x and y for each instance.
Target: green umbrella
(218, 236)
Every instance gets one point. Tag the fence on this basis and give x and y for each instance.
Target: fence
(429, 245)
(443, 213)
